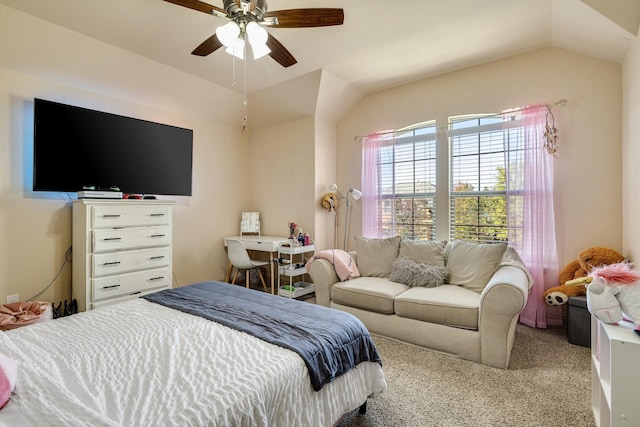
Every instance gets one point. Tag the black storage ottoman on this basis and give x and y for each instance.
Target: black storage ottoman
(579, 322)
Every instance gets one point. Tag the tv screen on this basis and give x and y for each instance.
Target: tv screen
(76, 148)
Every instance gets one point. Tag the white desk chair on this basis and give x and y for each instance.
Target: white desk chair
(239, 258)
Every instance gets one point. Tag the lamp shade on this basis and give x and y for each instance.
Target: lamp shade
(228, 33)
(237, 49)
(258, 37)
(260, 50)
(356, 194)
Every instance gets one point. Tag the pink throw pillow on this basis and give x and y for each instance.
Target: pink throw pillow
(8, 375)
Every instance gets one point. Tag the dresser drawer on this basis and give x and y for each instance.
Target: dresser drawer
(123, 261)
(130, 216)
(130, 283)
(129, 238)
(116, 300)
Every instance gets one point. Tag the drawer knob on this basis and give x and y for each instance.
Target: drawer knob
(156, 214)
(111, 216)
(157, 257)
(156, 278)
(112, 263)
(110, 286)
(111, 239)
(157, 235)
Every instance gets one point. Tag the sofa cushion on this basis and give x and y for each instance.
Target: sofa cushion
(447, 305)
(368, 293)
(423, 251)
(376, 256)
(471, 265)
(411, 273)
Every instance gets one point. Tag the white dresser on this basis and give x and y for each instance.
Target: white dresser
(121, 249)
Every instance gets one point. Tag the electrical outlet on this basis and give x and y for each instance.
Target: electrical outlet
(13, 298)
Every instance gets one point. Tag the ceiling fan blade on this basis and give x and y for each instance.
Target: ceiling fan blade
(200, 6)
(280, 53)
(208, 46)
(300, 18)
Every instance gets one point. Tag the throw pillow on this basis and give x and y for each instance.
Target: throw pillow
(414, 274)
(423, 251)
(8, 375)
(376, 256)
(471, 265)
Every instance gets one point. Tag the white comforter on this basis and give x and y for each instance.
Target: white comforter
(141, 364)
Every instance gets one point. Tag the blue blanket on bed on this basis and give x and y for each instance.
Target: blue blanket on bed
(330, 342)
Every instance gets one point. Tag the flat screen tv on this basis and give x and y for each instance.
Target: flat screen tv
(76, 148)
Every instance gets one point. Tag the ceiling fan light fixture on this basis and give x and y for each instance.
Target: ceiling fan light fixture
(237, 49)
(228, 34)
(260, 50)
(258, 37)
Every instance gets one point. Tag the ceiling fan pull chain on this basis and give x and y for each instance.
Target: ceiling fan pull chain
(245, 76)
(244, 125)
(245, 119)
(233, 71)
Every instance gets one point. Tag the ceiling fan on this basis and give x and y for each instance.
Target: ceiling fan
(246, 21)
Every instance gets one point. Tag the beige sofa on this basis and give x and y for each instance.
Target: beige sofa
(469, 310)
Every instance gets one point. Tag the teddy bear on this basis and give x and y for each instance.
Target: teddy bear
(579, 268)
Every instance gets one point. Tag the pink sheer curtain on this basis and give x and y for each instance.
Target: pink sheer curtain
(531, 215)
(371, 221)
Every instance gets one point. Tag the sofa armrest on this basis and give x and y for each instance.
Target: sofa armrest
(501, 302)
(323, 275)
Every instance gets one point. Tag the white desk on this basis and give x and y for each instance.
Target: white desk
(267, 244)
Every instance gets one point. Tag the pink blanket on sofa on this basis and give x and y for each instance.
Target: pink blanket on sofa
(344, 265)
(16, 314)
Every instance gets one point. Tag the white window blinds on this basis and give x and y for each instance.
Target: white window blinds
(481, 149)
(407, 183)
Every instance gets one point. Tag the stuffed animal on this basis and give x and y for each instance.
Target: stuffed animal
(587, 260)
(613, 292)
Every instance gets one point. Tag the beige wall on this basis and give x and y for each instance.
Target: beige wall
(631, 154)
(325, 174)
(588, 195)
(35, 228)
(281, 165)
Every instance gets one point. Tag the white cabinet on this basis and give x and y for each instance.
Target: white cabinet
(291, 261)
(121, 249)
(615, 352)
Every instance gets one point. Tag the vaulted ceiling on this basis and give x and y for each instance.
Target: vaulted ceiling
(381, 44)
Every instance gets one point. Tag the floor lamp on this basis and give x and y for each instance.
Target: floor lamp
(355, 195)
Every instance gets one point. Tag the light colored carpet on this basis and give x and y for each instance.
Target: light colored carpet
(548, 383)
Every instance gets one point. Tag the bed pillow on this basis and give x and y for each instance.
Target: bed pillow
(471, 265)
(8, 375)
(414, 274)
(423, 251)
(376, 256)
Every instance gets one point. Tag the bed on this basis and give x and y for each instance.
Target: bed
(144, 363)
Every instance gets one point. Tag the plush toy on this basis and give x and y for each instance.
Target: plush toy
(587, 260)
(613, 293)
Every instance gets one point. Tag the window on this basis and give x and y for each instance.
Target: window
(407, 183)
(481, 150)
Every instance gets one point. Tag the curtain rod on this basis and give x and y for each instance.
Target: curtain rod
(560, 103)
